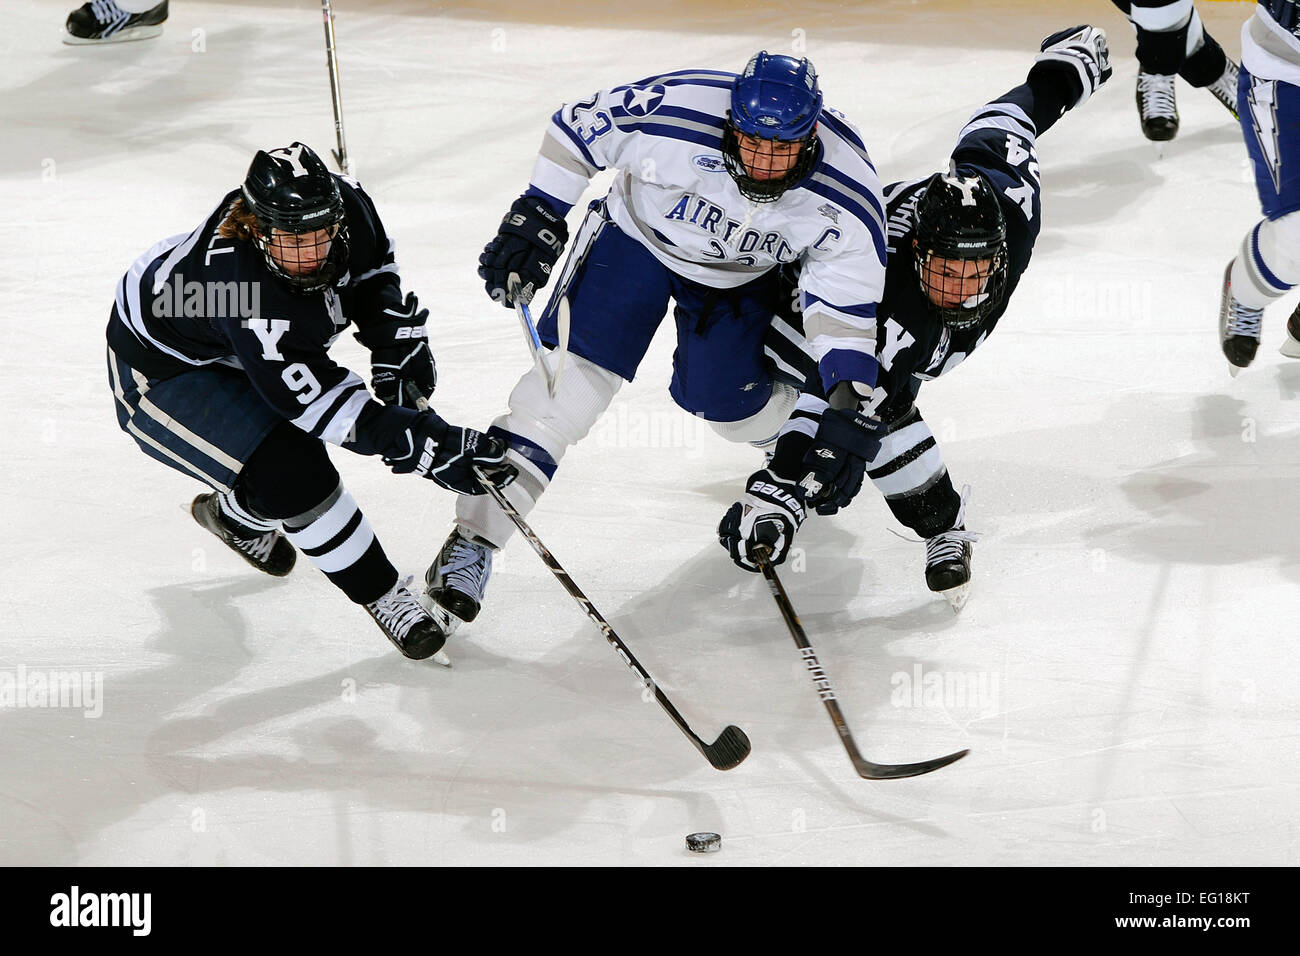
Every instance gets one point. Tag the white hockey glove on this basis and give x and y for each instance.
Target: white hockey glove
(770, 513)
(1082, 54)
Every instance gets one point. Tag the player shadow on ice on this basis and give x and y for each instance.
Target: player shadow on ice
(135, 755)
(1222, 504)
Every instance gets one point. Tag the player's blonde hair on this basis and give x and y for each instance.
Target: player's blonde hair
(240, 223)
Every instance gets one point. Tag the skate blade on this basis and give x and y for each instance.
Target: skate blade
(441, 658)
(1233, 370)
(957, 596)
(122, 36)
(1159, 148)
(1290, 348)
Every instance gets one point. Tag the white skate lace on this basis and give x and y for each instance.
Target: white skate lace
(466, 568)
(259, 548)
(948, 546)
(1157, 93)
(1243, 320)
(106, 11)
(398, 611)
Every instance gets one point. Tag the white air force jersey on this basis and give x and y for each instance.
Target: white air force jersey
(674, 195)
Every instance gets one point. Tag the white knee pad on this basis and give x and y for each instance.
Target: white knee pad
(541, 429)
(1169, 16)
(761, 428)
(1268, 263)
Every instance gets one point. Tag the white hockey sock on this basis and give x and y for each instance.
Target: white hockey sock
(540, 430)
(1268, 263)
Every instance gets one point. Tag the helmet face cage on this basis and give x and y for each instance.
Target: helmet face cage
(959, 220)
(282, 250)
(771, 189)
(777, 99)
(992, 276)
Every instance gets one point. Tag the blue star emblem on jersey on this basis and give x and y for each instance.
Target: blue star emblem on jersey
(642, 101)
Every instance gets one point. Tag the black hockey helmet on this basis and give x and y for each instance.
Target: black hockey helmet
(958, 217)
(291, 190)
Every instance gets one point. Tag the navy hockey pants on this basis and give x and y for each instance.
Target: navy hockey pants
(619, 293)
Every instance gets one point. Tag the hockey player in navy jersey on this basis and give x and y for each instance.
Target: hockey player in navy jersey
(1172, 42)
(1267, 265)
(958, 244)
(218, 359)
(722, 178)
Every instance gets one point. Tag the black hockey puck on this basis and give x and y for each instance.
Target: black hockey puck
(703, 842)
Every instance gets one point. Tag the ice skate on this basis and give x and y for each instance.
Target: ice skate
(103, 21)
(1224, 89)
(1291, 347)
(947, 559)
(270, 551)
(1239, 328)
(408, 625)
(457, 579)
(1157, 108)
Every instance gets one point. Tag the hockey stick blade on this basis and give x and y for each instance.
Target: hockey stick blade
(729, 750)
(865, 768)
(731, 747)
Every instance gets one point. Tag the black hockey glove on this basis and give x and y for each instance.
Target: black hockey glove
(447, 454)
(770, 514)
(531, 238)
(831, 472)
(1080, 55)
(402, 370)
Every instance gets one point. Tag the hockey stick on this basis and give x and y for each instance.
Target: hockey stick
(331, 59)
(731, 747)
(562, 336)
(864, 767)
(513, 286)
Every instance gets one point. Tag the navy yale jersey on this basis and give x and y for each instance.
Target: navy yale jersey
(911, 345)
(197, 298)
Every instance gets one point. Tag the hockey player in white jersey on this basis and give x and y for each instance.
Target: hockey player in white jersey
(958, 243)
(722, 178)
(1267, 264)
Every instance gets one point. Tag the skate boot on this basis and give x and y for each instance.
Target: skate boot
(457, 579)
(266, 550)
(1291, 347)
(103, 21)
(947, 559)
(1224, 88)
(1157, 108)
(407, 624)
(1239, 328)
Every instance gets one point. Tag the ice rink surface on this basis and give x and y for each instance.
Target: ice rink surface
(1124, 672)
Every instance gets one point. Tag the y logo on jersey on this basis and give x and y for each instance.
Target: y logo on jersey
(642, 101)
(268, 332)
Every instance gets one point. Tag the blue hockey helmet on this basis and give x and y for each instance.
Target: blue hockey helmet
(776, 98)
